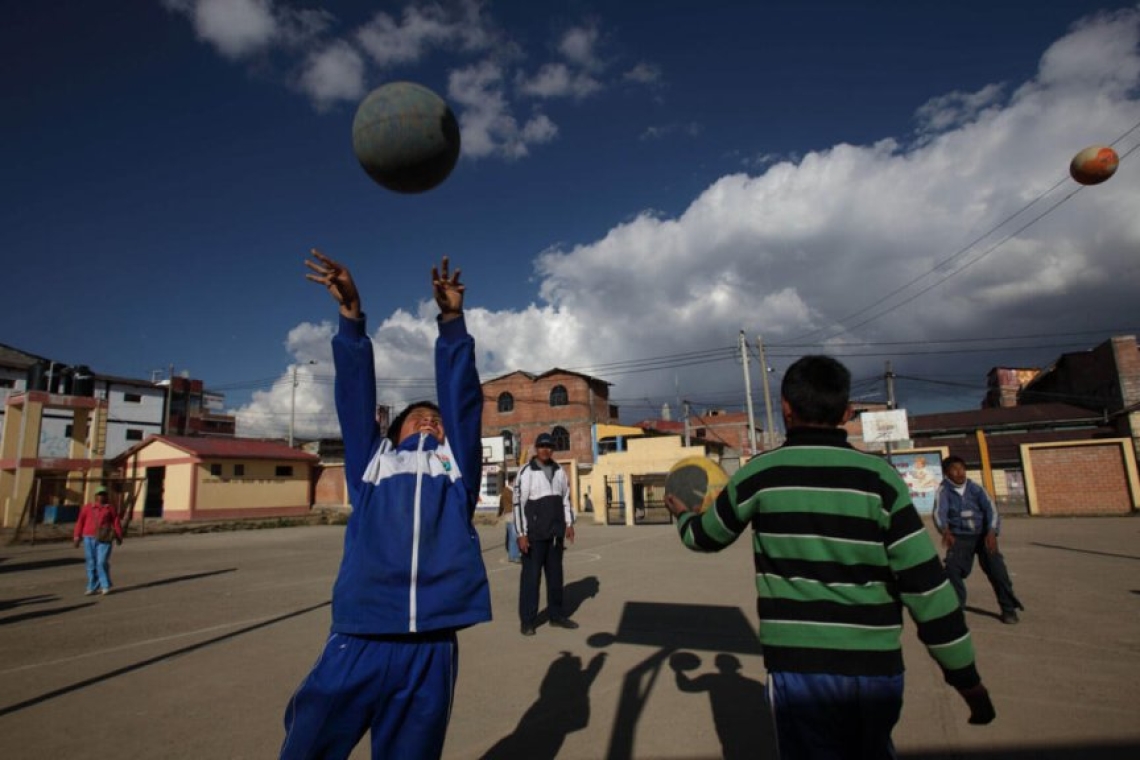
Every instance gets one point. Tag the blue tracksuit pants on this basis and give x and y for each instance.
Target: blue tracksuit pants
(397, 687)
(820, 716)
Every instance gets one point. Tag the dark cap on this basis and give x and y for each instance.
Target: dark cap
(544, 439)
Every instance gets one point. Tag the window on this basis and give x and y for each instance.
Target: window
(508, 443)
(558, 396)
(506, 402)
(239, 470)
(216, 470)
(134, 434)
(7, 382)
(561, 439)
(284, 470)
(132, 398)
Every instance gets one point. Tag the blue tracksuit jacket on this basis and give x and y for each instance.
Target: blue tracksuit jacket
(970, 514)
(412, 561)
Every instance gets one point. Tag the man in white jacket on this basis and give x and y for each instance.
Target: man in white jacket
(544, 520)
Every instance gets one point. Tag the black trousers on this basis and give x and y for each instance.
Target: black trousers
(960, 561)
(544, 556)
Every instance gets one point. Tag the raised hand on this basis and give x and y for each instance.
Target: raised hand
(448, 290)
(336, 278)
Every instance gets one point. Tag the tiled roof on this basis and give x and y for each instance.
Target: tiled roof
(208, 447)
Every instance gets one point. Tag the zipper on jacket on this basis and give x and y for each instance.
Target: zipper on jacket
(416, 535)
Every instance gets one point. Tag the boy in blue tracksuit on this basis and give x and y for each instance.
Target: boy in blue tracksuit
(412, 573)
(970, 526)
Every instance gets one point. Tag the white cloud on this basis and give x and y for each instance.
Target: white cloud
(811, 251)
(956, 108)
(334, 69)
(237, 28)
(643, 73)
(421, 30)
(485, 119)
(332, 74)
(578, 46)
(659, 131)
(557, 80)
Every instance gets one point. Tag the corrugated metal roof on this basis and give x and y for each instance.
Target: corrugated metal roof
(1029, 415)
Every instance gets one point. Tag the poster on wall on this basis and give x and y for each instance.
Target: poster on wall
(922, 472)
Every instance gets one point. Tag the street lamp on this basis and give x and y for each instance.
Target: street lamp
(293, 403)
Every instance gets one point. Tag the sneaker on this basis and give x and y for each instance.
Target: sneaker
(89, 592)
(527, 630)
(1009, 617)
(105, 591)
(564, 623)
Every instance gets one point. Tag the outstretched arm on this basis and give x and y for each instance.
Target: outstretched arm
(458, 389)
(448, 291)
(337, 279)
(355, 388)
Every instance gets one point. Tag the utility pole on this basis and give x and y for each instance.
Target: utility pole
(748, 393)
(685, 409)
(770, 426)
(169, 401)
(890, 377)
(293, 404)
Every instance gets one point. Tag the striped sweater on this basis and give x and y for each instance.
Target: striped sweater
(839, 550)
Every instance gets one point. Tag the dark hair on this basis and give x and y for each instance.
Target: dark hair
(398, 420)
(818, 389)
(952, 460)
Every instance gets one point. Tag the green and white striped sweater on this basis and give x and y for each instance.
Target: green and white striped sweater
(839, 550)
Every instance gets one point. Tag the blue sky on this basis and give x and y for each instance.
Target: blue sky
(639, 183)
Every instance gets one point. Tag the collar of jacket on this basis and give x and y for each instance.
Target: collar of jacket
(817, 436)
(412, 443)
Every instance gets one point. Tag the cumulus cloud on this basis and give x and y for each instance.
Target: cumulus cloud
(485, 118)
(244, 28)
(492, 94)
(973, 230)
(332, 74)
(422, 29)
(643, 73)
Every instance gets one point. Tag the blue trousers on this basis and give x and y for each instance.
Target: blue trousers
(98, 558)
(821, 716)
(545, 556)
(399, 688)
(960, 561)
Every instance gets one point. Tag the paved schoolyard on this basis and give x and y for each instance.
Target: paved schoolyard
(206, 637)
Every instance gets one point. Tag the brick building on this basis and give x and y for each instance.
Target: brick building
(1058, 449)
(518, 406)
(1104, 380)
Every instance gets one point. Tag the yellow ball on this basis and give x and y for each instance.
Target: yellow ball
(695, 482)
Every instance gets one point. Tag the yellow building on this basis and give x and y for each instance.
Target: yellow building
(185, 478)
(627, 486)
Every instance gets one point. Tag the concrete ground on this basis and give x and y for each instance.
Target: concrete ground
(200, 647)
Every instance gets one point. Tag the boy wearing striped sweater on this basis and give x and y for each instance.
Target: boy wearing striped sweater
(839, 551)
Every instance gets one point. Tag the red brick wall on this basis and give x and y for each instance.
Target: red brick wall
(1080, 480)
(330, 490)
(533, 414)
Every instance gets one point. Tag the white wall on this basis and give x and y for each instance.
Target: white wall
(124, 418)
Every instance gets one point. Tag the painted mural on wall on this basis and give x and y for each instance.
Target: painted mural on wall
(922, 472)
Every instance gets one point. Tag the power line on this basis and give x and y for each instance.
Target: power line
(840, 327)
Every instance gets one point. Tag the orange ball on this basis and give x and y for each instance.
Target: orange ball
(1094, 164)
